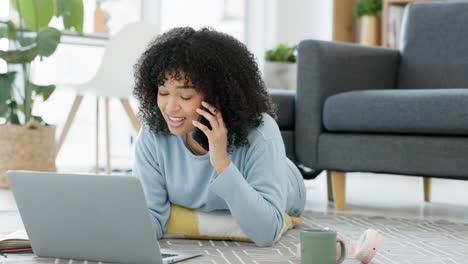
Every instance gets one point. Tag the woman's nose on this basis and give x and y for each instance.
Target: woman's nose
(172, 105)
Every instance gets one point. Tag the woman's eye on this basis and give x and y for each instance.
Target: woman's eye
(186, 98)
(163, 94)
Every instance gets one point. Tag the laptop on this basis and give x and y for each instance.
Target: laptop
(88, 217)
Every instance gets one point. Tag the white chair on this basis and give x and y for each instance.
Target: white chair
(113, 79)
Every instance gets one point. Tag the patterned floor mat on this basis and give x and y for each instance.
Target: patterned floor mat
(406, 241)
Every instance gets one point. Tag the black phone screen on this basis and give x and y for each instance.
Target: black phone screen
(198, 135)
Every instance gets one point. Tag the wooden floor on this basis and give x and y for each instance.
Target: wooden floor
(393, 195)
(374, 194)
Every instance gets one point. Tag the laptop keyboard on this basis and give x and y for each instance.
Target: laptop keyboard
(167, 255)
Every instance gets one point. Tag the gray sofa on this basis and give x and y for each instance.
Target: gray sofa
(381, 110)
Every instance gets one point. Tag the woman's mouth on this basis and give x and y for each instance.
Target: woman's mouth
(175, 121)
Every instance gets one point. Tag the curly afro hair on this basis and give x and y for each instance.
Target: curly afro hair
(218, 65)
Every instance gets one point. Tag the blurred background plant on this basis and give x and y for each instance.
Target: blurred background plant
(367, 8)
(31, 38)
(279, 69)
(282, 53)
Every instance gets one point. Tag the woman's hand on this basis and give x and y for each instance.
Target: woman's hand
(217, 137)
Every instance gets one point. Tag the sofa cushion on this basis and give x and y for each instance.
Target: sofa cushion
(418, 111)
(433, 51)
(285, 105)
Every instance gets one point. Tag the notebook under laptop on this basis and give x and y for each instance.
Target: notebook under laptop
(88, 217)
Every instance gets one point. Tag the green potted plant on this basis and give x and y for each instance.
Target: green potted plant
(280, 67)
(28, 143)
(368, 12)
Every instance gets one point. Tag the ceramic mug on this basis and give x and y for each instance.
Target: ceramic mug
(318, 246)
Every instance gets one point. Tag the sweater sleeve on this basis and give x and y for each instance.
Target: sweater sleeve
(146, 168)
(257, 200)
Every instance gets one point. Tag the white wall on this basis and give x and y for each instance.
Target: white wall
(304, 19)
(270, 22)
(150, 12)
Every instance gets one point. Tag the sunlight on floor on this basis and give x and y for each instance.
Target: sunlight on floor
(394, 195)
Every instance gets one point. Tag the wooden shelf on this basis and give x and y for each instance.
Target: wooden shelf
(344, 23)
(385, 7)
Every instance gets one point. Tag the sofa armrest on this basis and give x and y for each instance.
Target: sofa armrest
(285, 103)
(327, 68)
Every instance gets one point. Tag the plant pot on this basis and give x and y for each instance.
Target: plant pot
(370, 31)
(280, 75)
(28, 147)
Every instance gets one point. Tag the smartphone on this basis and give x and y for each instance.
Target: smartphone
(198, 135)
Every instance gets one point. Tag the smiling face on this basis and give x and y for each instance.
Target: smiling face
(178, 102)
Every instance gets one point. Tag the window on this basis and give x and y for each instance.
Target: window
(4, 8)
(77, 63)
(223, 15)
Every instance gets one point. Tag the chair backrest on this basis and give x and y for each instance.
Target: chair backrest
(434, 45)
(114, 77)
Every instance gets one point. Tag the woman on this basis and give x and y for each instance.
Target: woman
(185, 74)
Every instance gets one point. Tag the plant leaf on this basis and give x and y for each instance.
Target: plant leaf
(72, 13)
(38, 118)
(367, 8)
(14, 4)
(6, 82)
(36, 13)
(281, 53)
(20, 107)
(47, 41)
(3, 110)
(13, 115)
(28, 40)
(7, 30)
(23, 55)
(43, 90)
(14, 118)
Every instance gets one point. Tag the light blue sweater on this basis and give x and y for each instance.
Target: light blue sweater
(258, 187)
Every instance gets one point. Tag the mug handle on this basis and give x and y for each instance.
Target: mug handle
(343, 251)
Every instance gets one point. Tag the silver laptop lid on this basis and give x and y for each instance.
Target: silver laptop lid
(85, 217)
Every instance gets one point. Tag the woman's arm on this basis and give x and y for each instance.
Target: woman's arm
(146, 168)
(257, 201)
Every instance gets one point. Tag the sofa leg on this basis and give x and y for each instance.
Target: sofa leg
(329, 186)
(339, 189)
(427, 189)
